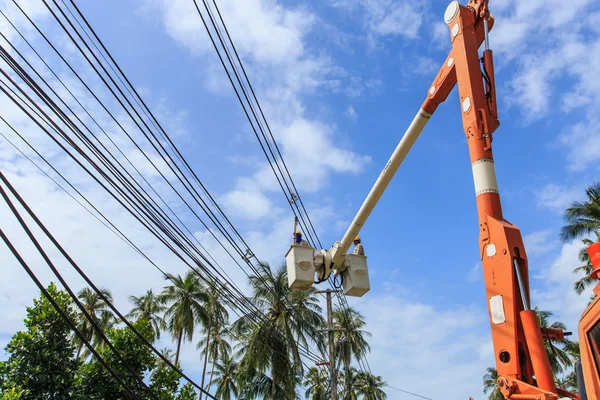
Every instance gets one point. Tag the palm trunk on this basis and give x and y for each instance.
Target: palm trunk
(347, 369)
(205, 356)
(180, 336)
(79, 351)
(212, 370)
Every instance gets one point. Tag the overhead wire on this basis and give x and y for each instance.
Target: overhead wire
(63, 315)
(148, 217)
(73, 296)
(81, 273)
(242, 255)
(128, 241)
(148, 111)
(197, 262)
(295, 196)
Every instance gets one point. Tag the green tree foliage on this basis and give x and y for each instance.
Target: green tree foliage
(316, 382)
(349, 338)
(583, 217)
(490, 384)
(586, 280)
(99, 384)
(100, 312)
(226, 378)
(186, 299)
(41, 362)
(350, 377)
(257, 357)
(215, 343)
(151, 308)
(370, 386)
(272, 343)
(164, 381)
(557, 350)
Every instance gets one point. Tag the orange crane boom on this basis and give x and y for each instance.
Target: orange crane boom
(521, 360)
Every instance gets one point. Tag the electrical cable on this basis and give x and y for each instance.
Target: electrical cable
(85, 277)
(172, 249)
(57, 307)
(59, 54)
(341, 298)
(140, 117)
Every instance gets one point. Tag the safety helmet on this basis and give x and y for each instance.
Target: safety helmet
(298, 233)
(357, 238)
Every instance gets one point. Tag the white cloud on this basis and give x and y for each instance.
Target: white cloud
(557, 294)
(249, 204)
(557, 198)
(271, 39)
(351, 113)
(412, 340)
(385, 17)
(583, 143)
(424, 66)
(475, 273)
(262, 29)
(539, 242)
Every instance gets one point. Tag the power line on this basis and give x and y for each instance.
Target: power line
(411, 393)
(243, 83)
(72, 26)
(87, 280)
(150, 218)
(57, 307)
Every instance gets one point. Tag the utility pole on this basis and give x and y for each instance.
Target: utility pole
(330, 330)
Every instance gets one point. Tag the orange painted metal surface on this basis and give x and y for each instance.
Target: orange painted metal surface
(589, 349)
(589, 333)
(539, 357)
(594, 253)
(521, 358)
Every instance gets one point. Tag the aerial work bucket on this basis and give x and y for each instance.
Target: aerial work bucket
(300, 267)
(356, 276)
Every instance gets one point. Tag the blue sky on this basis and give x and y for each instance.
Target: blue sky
(340, 80)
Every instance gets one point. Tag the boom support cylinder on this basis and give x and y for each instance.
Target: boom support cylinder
(537, 353)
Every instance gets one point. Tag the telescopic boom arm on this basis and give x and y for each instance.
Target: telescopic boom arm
(521, 359)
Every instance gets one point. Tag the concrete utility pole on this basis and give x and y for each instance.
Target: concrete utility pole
(330, 330)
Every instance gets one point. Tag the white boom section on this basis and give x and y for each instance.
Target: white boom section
(410, 136)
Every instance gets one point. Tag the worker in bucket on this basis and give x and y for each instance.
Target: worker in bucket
(358, 247)
(299, 241)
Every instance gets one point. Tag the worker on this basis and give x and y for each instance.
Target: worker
(358, 247)
(299, 241)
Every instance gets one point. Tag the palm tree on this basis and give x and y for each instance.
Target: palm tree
(490, 383)
(100, 313)
(569, 382)
(316, 383)
(215, 345)
(583, 218)
(558, 355)
(285, 319)
(370, 386)
(352, 384)
(186, 299)
(226, 378)
(587, 268)
(218, 318)
(349, 337)
(149, 307)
